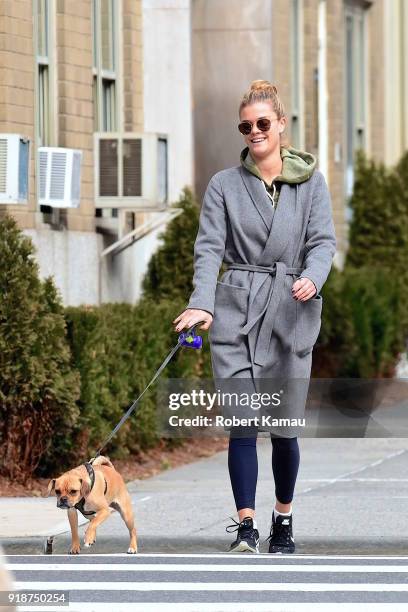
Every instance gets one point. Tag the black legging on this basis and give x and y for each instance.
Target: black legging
(243, 468)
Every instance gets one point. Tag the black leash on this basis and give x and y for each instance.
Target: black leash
(185, 339)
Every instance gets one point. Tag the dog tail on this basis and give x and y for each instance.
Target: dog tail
(101, 460)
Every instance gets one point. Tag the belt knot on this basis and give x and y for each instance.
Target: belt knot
(278, 269)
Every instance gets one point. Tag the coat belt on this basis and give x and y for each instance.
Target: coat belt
(278, 269)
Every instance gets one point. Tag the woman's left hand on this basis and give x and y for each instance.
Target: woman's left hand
(303, 289)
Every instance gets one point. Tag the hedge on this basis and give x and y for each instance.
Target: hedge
(68, 375)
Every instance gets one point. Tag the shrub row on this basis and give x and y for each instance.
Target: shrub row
(68, 375)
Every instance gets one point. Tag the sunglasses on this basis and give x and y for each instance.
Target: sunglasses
(263, 124)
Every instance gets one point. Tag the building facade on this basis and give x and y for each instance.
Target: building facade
(97, 75)
(73, 72)
(341, 68)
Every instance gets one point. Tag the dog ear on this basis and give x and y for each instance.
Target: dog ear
(85, 487)
(51, 487)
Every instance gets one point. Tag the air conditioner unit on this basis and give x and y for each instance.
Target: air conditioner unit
(60, 177)
(14, 168)
(131, 170)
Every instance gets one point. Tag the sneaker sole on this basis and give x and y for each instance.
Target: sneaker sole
(244, 547)
(281, 552)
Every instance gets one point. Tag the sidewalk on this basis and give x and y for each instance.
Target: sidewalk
(350, 498)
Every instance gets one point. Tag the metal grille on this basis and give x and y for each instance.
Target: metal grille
(58, 168)
(3, 165)
(23, 152)
(76, 177)
(43, 173)
(162, 180)
(132, 167)
(108, 167)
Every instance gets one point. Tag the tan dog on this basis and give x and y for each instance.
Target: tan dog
(93, 489)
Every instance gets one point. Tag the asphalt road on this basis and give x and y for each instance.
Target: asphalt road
(350, 527)
(218, 583)
(350, 498)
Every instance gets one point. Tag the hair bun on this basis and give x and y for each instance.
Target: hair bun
(262, 85)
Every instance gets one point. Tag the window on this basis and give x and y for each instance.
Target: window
(356, 88)
(104, 21)
(44, 115)
(296, 74)
(45, 90)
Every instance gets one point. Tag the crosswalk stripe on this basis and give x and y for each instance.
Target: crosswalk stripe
(211, 586)
(224, 607)
(229, 556)
(351, 480)
(177, 567)
(143, 576)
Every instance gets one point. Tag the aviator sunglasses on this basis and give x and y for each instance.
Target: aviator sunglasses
(263, 124)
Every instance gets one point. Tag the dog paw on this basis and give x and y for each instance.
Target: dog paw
(132, 551)
(75, 550)
(89, 540)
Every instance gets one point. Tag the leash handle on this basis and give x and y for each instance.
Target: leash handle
(190, 338)
(183, 340)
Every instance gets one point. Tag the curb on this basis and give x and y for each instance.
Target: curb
(158, 544)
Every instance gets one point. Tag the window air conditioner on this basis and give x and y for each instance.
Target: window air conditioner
(14, 168)
(131, 170)
(60, 177)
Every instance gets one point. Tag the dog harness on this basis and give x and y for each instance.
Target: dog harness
(80, 505)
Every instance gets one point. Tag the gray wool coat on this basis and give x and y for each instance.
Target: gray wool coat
(259, 330)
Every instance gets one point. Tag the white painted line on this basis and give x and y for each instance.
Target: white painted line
(224, 607)
(353, 480)
(211, 586)
(356, 471)
(230, 556)
(185, 567)
(144, 498)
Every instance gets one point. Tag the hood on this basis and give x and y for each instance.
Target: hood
(297, 166)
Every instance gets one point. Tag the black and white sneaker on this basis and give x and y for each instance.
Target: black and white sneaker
(247, 536)
(281, 537)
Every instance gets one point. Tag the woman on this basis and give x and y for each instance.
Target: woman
(270, 220)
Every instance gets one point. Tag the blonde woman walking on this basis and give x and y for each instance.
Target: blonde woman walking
(270, 220)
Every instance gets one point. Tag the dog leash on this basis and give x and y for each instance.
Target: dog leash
(189, 339)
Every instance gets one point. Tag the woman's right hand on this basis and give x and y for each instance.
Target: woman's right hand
(190, 316)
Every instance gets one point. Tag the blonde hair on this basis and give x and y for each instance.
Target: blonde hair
(264, 91)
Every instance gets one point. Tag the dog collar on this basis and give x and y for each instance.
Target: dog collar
(80, 504)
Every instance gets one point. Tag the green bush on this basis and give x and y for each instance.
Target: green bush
(68, 376)
(170, 270)
(117, 348)
(101, 352)
(38, 385)
(379, 227)
(365, 321)
(361, 328)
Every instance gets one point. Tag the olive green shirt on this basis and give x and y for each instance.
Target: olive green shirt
(297, 167)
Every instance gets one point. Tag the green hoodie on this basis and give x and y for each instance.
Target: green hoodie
(297, 167)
